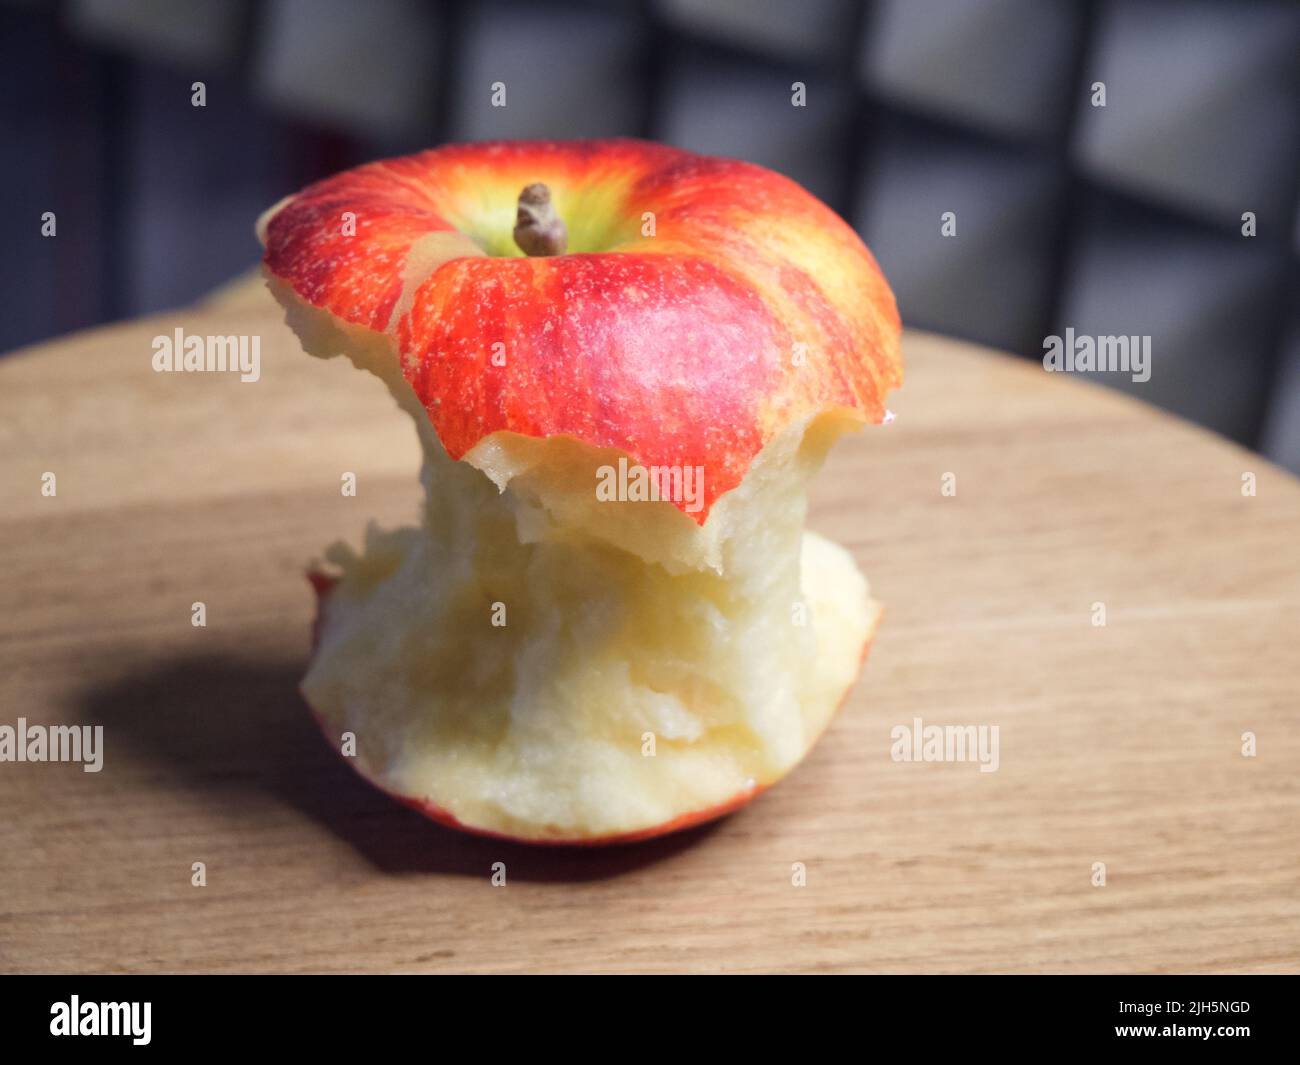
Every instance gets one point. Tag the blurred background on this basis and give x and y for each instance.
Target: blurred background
(1122, 219)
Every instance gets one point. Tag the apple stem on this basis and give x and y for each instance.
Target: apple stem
(538, 229)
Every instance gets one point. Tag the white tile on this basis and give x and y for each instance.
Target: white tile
(744, 110)
(1202, 104)
(567, 72)
(808, 29)
(1001, 64)
(201, 32)
(370, 69)
(990, 281)
(1207, 302)
(1280, 439)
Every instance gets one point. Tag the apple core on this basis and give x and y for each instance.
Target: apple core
(534, 658)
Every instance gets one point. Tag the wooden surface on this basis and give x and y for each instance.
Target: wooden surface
(1118, 744)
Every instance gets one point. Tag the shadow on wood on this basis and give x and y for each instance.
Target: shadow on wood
(234, 727)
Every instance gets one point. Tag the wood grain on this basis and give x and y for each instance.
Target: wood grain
(1119, 744)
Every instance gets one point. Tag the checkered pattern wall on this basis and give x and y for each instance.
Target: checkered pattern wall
(1122, 219)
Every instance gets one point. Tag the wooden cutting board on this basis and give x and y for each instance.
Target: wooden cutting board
(1119, 744)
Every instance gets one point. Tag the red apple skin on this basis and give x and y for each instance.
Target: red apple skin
(323, 584)
(752, 305)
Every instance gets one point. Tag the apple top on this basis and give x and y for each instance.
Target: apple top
(689, 310)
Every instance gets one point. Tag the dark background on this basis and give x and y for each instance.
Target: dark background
(1117, 220)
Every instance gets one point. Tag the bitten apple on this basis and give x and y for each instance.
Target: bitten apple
(539, 658)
